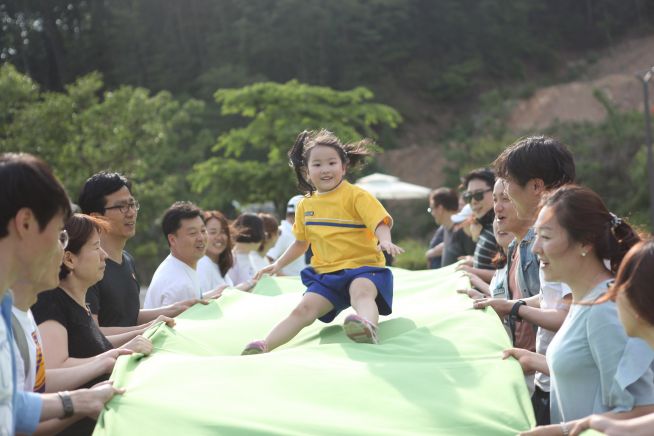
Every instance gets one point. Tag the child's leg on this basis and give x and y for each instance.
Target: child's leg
(363, 293)
(312, 307)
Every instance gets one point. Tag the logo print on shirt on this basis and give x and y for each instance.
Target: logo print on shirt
(309, 213)
(39, 380)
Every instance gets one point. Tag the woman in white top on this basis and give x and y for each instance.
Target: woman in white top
(593, 365)
(213, 268)
(270, 236)
(248, 234)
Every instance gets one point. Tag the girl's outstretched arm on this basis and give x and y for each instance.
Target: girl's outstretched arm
(383, 233)
(293, 252)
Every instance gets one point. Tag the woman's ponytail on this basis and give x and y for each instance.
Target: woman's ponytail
(623, 237)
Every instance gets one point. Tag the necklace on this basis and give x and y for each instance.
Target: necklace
(85, 306)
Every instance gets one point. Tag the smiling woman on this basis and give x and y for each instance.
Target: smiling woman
(69, 333)
(633, 294)
(213, 267)
(575, 233)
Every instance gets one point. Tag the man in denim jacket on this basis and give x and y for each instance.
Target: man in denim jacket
(531, 168)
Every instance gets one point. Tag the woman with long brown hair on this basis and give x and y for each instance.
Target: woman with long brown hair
(634, 297)
(576, 233)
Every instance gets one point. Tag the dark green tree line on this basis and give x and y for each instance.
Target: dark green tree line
(440, 47)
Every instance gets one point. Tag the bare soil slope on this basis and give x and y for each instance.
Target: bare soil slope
(420, 160)
(613, 74)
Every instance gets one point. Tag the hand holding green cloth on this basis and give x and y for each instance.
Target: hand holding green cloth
(438, 370)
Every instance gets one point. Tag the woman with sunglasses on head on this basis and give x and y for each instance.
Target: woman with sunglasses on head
(594, 367)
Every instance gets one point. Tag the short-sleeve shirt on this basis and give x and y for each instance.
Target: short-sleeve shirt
(551, 297)
(587, 373)
(210, 276)
(456, 243)
(115, 298)
(84, 336)
(435, 262)
(172, 282)
(243, 269)
(340, 225)
(34, 379)
(19, 410)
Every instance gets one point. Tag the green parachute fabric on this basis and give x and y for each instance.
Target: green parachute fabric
(438, 370)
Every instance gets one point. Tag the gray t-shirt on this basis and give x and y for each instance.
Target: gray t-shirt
(594, 366)
(456, 244)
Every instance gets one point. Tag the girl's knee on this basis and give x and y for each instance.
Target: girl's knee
(362, 288)
(305, 312)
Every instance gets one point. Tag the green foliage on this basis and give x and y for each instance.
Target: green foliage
(610, 159)
(413, 257)
(16, 92)
(457, 81)
(197, 46)
(152, 139)
(250, 162)
(609, 156)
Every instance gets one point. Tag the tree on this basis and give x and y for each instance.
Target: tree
(152, 139)
(250, 164)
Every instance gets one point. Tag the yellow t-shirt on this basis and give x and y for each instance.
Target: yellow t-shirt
(340, 226)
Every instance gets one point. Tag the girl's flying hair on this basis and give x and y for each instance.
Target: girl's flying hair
(351, 154)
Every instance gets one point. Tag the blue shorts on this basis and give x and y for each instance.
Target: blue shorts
(335, 287)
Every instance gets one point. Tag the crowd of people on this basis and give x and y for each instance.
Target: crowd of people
(568, 279)
(556, 250)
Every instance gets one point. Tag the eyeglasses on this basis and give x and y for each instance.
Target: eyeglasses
(63, 239)
(124, 208)
(477, 195)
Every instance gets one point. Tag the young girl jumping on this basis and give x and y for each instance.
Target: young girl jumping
(347, 229)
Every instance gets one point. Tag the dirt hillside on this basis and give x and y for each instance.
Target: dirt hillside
(614, 74)
(421, 162)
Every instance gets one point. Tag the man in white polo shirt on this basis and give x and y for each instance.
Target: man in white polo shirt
(286, 239)
(176, 277)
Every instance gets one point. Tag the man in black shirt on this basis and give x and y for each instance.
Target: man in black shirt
(114, 300)
(443, 206)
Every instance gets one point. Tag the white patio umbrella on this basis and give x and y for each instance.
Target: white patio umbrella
(386, 187)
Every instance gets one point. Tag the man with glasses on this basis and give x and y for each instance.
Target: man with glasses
(532, 168)
(115, 300)
(479, 195)
(443, 206)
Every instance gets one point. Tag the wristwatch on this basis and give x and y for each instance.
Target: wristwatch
(67, 402)
(516, 308)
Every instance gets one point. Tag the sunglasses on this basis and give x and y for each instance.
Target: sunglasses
(477, 195)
